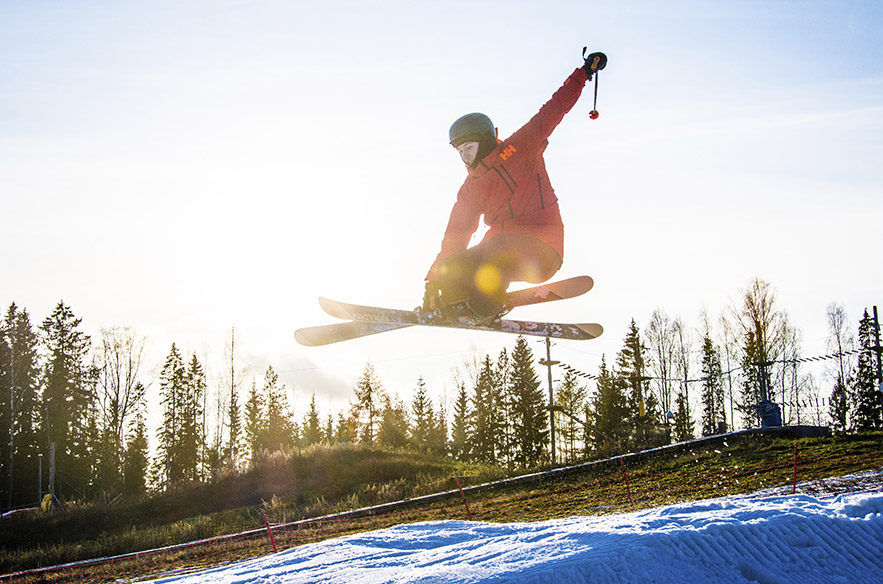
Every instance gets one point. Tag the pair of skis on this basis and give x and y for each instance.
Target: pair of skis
(370, 320)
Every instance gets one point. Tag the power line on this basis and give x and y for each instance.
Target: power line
(793, 361)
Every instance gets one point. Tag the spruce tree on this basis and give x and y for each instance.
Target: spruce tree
(503, 418)
(630, 367)
(461, 428)
(192, 429)
(422, 418)
(108, 462)
(68, 381)
(527, 408)
(255, 422)
(683, 422)
(486, 416)
(610, 413)
(19, 404)
(753, 374)
(438, 437)
(713, 407)
(393, 430)
(328, 430)
(867, 407)
(312, 425)
(135, 458)
(280, 431)
(838, 408)
(8, 404)
(369, 399)
(232, 380)
(347, 429)
(642, 404)
(172, 382)
(570, 397)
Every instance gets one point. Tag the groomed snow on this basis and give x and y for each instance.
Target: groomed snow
(768, 539)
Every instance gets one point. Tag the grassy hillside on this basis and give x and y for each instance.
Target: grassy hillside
(326, 480)
(290, 486)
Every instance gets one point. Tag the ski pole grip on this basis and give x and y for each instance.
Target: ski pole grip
(595, 61)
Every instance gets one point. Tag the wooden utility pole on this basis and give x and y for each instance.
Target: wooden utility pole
(877, 348)
(52, 468)
(548, 363)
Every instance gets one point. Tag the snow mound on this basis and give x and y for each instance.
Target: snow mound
(777, 539)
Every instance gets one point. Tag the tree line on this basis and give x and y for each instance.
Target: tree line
(82, 401)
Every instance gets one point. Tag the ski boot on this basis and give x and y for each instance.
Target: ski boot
(461, 312)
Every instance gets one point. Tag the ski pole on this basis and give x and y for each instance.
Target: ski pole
(598, 62)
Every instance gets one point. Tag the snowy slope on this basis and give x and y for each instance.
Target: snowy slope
(774, 539)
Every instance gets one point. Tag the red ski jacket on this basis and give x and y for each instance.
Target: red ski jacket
(510, 186)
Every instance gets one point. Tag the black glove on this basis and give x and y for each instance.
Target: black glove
(431, 296)
(594, 62)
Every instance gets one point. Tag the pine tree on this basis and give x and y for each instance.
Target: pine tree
(172, 381)
(839, 406)
(280, 431)
(753, 379)
(610, 413)
(347, 431)
(712, 388)
(135, 459)
(88, 450)
(312, 425)
(642, 404)
(683, 427)
(19, 403)
(422, 418)
(486, 424)
(233, 376)
(630, 367)
(191, 435)
(108, 462)
(502, 417)
(570, 397)
(393, 431)
(461, 428)
(438, 437)
(328, 430)
(68, 394)
(867, 407)
(527, 407)
(369, 398)
(255, 422)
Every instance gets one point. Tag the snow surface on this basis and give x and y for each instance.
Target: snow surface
(767, 539)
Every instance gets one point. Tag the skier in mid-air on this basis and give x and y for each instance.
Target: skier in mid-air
(507, 183)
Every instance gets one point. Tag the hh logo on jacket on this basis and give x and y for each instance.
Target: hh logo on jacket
(509, 151)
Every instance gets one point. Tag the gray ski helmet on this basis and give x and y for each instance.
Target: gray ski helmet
(473, 126)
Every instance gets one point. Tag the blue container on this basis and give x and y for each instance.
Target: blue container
(770, 414)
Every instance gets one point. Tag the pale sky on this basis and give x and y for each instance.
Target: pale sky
(185, 167)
